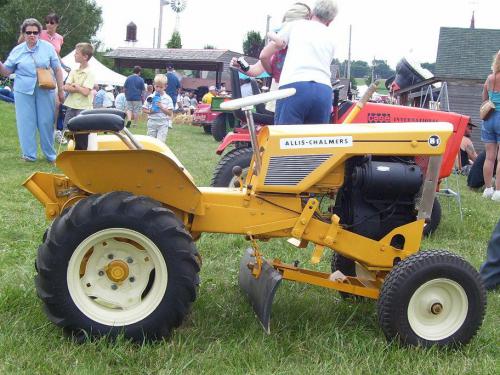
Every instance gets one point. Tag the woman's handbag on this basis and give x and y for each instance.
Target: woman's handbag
(487, 107)
(44, 77)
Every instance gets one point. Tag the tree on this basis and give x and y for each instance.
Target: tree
(208, 46)
(79, 20)
(253, 44)
(360, 69)
(430, 66)
(382, 70)
(175, 40)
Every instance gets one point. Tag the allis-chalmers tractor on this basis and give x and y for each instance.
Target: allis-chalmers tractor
(120, 255)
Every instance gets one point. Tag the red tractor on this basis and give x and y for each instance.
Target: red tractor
(241, 153)
(214, 120)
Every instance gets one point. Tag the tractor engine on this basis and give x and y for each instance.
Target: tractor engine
(378, 195)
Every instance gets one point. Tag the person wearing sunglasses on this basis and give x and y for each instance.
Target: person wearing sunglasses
(34, 105)
(50, 35)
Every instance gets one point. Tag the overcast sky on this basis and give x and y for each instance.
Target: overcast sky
(384, 29)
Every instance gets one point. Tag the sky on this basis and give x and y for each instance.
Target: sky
(382, 29)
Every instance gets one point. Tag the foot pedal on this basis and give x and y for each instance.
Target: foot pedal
(260, 291)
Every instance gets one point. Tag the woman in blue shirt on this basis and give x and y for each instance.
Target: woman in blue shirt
(34, 106)
(490, 132)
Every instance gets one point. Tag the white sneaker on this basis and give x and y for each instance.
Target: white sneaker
(488, 192)
(496, 196)
(60, 138)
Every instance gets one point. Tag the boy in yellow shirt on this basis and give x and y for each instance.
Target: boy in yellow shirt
(79, 86)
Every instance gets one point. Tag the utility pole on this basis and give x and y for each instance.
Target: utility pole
(349, 55)
(154, 36)
(160, 23)
(349, 91)
(267, 28)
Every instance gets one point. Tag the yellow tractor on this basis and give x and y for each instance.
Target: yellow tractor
(120, 255)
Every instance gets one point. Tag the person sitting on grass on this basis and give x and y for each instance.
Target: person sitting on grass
(159, 108)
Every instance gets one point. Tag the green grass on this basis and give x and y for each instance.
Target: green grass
(313, 329)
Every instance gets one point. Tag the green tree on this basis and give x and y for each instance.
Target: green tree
(430, 66)
(253, 44)
(382, 70)
(360, 69)
(79, 20)
(175, 40)
(209, 46)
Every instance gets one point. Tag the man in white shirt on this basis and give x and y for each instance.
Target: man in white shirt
(306, 67)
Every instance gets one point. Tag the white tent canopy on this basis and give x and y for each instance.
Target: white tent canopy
(103, 75)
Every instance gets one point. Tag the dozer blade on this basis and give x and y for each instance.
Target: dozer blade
(260, 291)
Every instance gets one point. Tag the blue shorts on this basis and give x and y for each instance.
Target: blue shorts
(490, 129)
(312, 104)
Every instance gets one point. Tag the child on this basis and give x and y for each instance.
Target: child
(160, 108)
(79, 85)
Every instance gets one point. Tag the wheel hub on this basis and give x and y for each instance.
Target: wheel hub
(436, 308)
(117, 271)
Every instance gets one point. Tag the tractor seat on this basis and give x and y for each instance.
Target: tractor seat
(109, 111)
(101, 122)
(261, 116)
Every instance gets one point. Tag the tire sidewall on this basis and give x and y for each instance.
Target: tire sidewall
(69, 241)
(223, 173)
(413, 281)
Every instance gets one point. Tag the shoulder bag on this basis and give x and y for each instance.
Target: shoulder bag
(44, 77)
(487, 107)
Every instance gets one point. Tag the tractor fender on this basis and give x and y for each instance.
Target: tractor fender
(141, 172)
(230, 139)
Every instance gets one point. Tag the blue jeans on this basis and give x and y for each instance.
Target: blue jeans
(490, 270)
(490, 129)
(312, 104)
(36, 112)
(6, 95)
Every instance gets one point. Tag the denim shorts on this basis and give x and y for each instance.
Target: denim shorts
(490, 129)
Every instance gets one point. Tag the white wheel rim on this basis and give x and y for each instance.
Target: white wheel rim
(437, 309)
(244, 173)
(97, 267)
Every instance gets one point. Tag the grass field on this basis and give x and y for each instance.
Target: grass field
(313, 329)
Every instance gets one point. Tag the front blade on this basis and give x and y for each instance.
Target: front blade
(259, 291)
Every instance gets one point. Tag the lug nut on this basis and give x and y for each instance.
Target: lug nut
(114, 286)
(130, 260)
(132, 279)
(101, 273)
(110, 256)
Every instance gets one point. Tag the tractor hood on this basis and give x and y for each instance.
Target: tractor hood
(295, 158)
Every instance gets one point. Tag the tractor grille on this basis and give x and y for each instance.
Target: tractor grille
(290, 170)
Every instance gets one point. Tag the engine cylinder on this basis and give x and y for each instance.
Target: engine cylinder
(381, 180)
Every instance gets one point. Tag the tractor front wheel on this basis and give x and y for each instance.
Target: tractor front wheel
(221, 125)
(117, 263)
(432, 298)
(223, 174)
(207, 129)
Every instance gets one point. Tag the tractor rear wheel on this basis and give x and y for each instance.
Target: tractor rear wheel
(221, 125)
(117, 263)
(207, 129)
(432, 298)
(223, 174)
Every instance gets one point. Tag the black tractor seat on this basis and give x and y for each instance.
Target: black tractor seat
(101, 122)
(261, 116)
(100, 111)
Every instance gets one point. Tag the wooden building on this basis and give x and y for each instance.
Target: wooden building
(463, 61)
